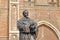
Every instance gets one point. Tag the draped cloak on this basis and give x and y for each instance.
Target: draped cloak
(27, 29)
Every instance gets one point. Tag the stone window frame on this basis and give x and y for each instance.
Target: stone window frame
(50, 26)
(11, 32)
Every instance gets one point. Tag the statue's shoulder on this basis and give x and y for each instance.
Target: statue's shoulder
(32, 21)
(20, 20)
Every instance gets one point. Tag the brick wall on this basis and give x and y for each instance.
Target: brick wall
(36, 12)
(3, 19)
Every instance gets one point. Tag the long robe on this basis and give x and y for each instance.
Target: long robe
(28, 29)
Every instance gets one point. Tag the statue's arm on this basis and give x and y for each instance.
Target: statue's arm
(20, 25)
(35, 29)
(33, 24)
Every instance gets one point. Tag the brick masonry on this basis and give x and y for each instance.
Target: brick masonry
(38, 13)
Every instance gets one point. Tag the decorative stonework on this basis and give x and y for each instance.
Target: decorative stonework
(42, 2)
(13, 17)
(13, 36)
(53, 3)
(15, 13)
(51, 26)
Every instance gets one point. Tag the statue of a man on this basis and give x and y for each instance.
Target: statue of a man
(27, 27)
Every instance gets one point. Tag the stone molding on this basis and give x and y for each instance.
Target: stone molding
(51, 26)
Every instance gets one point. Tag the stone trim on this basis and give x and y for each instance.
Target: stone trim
(51, 26)
(10, 31)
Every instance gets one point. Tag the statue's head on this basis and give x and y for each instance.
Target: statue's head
(25, 13)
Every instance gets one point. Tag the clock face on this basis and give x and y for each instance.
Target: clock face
(46, 33)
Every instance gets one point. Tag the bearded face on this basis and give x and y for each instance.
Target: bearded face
(25, 14)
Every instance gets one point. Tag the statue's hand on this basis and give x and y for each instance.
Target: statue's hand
(26, 27)
(32, 26)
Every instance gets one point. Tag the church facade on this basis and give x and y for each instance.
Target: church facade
(45, 12)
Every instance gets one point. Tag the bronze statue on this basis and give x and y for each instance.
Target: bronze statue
(27, 27)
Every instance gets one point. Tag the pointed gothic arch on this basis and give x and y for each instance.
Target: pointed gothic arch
(50, 26)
